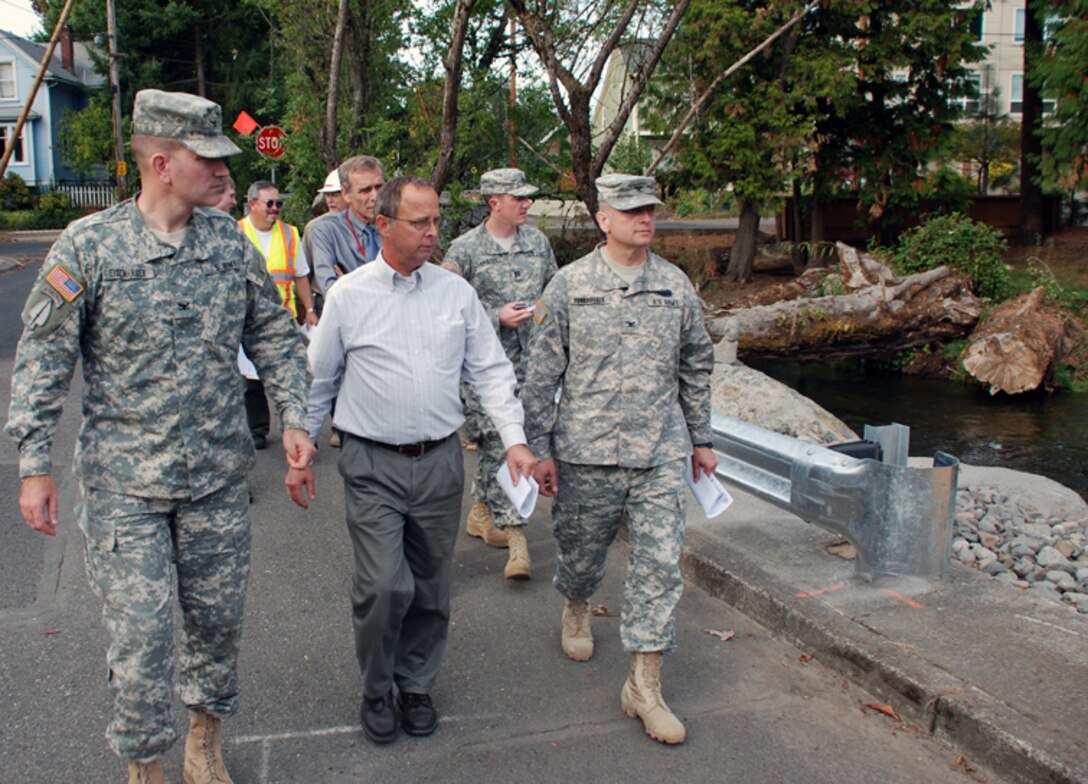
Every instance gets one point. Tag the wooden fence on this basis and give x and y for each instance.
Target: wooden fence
(846, 222)
(89, 196)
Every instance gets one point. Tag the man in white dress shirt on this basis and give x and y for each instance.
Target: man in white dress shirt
(396, 338)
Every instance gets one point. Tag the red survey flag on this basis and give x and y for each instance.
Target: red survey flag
(245, 124)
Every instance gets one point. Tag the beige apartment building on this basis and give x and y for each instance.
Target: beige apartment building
(1001, 75)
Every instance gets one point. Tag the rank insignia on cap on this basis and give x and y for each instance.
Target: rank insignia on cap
(64, 284)
(539, 312)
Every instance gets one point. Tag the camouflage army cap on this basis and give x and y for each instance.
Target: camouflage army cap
(627, 191)
(499, 181)
(194, 121)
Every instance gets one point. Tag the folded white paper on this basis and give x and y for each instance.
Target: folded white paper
(523, 495)
(708, 491)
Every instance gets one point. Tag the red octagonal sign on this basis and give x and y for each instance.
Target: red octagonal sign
(270, 141)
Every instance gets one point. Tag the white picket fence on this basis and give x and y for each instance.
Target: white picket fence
(92, 196)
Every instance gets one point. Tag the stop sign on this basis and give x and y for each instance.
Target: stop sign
(270, 141)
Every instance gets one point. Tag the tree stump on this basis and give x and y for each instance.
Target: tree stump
(1014, 350)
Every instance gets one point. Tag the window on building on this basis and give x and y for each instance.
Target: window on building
(7, 80)
(976, 25)
(1016, 94)
(970, 104)
(6, 132)
(1018, 25)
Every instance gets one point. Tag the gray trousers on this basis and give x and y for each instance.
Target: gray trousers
(403, 514)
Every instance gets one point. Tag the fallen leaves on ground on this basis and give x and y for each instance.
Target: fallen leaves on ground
(600, 609)
(881, 707)
(724, 636)
(842, 549)
(962, 765)
(805, 658)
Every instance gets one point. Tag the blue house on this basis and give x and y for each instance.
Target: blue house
(37, 157)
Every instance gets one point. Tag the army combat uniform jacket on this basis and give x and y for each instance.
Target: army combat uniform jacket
(634, 364)
(500, 276)
(158, 330)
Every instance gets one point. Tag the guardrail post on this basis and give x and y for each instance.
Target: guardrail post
(898, 517)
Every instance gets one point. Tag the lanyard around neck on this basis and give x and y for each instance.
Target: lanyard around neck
(347, 217)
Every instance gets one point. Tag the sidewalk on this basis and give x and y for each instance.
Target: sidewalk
(999, 674)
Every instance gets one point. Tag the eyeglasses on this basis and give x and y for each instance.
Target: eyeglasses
(420, 224)
(274, 204)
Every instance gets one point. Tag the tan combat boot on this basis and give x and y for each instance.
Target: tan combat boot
(642, 697)
(146, 772)
(518, 566)
(577, 636)
(480, 524)
(203, 752)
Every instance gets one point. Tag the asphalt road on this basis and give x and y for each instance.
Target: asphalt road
(513, 708)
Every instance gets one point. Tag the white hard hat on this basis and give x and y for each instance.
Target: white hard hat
(332, 183)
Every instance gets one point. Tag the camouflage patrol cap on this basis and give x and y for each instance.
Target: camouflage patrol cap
(627, 191)
(195, 122)
(499, 181)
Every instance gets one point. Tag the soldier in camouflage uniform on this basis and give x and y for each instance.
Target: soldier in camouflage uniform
(621, 331)
(154, 296)
(508, 263)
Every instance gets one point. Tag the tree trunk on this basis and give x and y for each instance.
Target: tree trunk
(447, 135)
(1014, 349)
(1031, 147)
(743, 254)
(327, 133)
(359, 46)
(879, 313)
(198, 57)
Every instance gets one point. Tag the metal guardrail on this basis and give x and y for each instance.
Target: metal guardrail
(898, 517)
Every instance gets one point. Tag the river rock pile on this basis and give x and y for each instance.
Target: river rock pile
(1022, 546)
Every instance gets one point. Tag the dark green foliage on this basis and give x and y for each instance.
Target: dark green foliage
(973, 248)
(14, 194)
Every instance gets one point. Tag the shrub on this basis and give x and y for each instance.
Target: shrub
(14, 193)
(973, 248)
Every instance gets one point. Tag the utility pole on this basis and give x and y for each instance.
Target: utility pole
(115, 100)
(513, 90)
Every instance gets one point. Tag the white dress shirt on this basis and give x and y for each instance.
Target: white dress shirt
(392, 351)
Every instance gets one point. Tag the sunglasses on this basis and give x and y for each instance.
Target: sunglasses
(274, 204)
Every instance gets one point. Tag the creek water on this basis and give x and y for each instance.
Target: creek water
(1037, 433)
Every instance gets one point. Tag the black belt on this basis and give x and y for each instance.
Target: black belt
(408, 450)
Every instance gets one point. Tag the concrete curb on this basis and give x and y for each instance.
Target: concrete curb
(939, 702)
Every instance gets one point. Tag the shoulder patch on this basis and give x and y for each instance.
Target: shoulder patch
(539, 312)
(63, 283)
(46, 310)
(449, 265)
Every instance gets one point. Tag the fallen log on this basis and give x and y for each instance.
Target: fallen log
(879, 315)
(1014, 349)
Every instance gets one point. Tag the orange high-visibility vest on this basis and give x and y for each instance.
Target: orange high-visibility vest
(281, 257)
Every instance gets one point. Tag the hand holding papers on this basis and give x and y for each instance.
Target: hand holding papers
(523, 495)
(708, 491)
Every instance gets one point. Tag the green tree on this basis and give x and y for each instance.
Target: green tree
(1060, 76)
(910, 66)
(756, 130)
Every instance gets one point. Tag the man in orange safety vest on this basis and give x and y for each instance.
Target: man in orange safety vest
(287, 264)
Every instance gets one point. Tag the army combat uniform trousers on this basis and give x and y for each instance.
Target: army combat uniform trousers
(589, 508)
(134, 547)
(492, 454)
